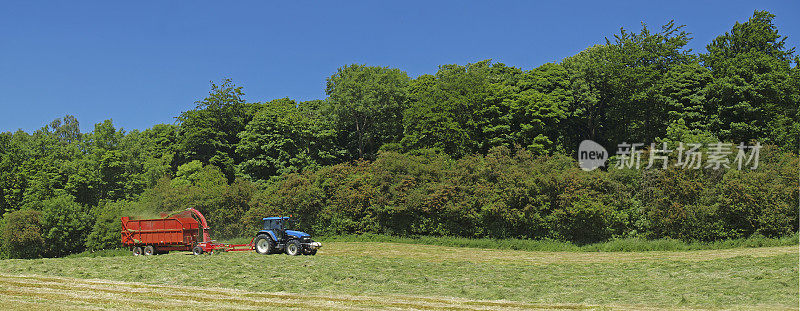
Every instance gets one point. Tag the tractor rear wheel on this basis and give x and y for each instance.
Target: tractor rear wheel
(149, 250)
(263, 244)
(293, 248)
(197, 250)
(137, 251)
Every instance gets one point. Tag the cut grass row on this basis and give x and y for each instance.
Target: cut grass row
(742, 278)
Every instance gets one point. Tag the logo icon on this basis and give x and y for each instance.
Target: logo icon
(591, 155)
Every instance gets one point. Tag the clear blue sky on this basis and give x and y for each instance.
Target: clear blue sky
(144, 62)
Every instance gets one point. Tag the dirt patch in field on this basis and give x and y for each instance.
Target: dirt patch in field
(441, 253)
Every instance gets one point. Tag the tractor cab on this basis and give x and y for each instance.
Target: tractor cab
(271, 223)
(276, 225)
(274, 237)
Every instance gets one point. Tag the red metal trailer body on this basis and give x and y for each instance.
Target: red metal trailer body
(179, 232)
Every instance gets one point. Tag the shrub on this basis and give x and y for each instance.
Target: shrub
(520, 195)
(764, 200)
(295, 196)
(66, 224)
(233, 203)
(106, 231)
(21, 234)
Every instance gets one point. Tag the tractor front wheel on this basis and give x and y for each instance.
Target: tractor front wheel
(197, 250)
(263, 244)
(137, 251)
(293, 248)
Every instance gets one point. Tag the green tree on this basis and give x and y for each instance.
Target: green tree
(755, 93)
(150, 155)
(13, 178)
(209, 132)
(445, 109)
(65, 225)
(682, 91)
(285, 137)
(367, 104)
(540, 109)
(616, 85)
(474, 108)
(103, 169)
(431, 122)
(49, 152)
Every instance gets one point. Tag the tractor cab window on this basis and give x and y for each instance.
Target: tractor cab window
(273, 224)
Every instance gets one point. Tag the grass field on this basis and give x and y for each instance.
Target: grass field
(374, 275)
(614, 245)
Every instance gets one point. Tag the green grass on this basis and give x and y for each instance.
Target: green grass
(102, 253)
(744, 278)
(616, 245)
(240, 240)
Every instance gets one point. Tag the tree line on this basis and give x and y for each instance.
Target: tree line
(477, 150)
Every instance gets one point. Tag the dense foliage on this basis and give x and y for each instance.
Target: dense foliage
(505, 195)
(477, 150)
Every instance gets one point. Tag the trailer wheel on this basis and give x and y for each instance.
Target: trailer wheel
(137, 251)
(149, 250)
(293, 248)
(263, 244)
(197, 250)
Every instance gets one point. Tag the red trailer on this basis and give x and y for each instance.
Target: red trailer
(183, 231)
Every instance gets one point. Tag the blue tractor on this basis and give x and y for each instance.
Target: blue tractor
(275, 238)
